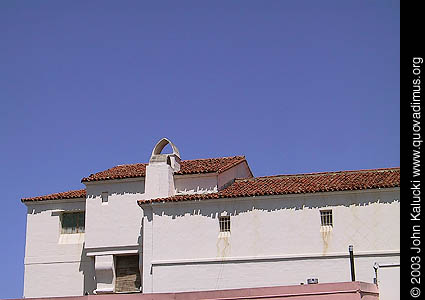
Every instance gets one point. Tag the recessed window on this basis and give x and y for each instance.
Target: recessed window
(105, 198)
(73, 222)
(326, 217)
(224, 223)
(127, 274)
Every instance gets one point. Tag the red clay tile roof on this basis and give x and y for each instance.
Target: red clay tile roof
(299, 184)
(196, 166)
(58, 196)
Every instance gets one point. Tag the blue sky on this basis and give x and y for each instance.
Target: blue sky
(296, 86)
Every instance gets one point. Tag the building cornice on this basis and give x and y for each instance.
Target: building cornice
(273, 197)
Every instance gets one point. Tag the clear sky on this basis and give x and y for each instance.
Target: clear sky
(296, 86)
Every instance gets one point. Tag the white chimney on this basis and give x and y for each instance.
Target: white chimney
(159, 180)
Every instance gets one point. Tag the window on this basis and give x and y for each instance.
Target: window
(127, 274)
(105, 198)
(73, 222)
(224, 223)
(326, 217)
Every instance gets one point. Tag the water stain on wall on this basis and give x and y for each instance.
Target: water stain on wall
(326, 233)
(223, 245)
(223, 251)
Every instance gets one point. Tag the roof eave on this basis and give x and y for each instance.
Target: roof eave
(218, 196)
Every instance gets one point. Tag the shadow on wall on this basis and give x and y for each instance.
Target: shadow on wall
(56, 208)
(87, 267)
(129, 189)
(215, 207)
(266, 224)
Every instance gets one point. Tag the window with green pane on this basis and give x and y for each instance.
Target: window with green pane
(73, 222)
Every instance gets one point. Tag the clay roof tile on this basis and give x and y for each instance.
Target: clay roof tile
(299, 184)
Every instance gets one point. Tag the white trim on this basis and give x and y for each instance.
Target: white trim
(117, 250)
(113, 252)
(57, 211)
(56, 201)
(71, 238)
(53, 262)
(273, 257)
(55, 259)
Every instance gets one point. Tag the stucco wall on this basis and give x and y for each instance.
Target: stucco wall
(275, 240)
(239, 171)
(52, 259)
(204, 183)
(285, 230)
(389, 282)
(274, 272)
(59, 279)
(190, 184)
(117, 223)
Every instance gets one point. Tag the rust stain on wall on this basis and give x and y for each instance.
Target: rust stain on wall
(326, 233)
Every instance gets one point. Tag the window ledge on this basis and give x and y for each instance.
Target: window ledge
(71, 238)
(326, 228)
(224, 234)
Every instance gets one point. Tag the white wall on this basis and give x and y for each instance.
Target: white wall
(274, 240)
(389, 282)
(112, 227)
(210, 182)
(191, 184)
(59, 279)
(250, 273)
(51, 260)
(284, 230)
(63, 265)
(117, 223)
(239, 171)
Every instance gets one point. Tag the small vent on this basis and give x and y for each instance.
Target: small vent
(312, 280)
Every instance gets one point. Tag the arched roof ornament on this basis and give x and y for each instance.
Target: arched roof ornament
(172, 159)
(161, 145)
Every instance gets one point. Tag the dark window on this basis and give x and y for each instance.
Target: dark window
(73, 222)
(105, 197)
(127, 274)
(224, 224)
(326, 217)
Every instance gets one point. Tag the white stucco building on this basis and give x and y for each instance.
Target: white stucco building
(185, 225)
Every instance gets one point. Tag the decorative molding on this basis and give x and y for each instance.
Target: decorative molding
(247, 259)
(113, 250)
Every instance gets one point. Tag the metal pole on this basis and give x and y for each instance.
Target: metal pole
(353, 275)
(376, 267)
